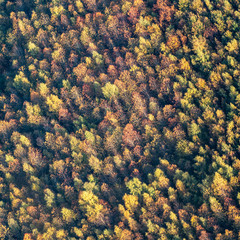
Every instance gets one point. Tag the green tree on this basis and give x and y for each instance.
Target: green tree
(21, 83)
(110, 90)
(68, 215)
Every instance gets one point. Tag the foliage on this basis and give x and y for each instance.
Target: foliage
(119, 119)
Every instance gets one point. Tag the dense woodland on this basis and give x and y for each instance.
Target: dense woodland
(119, 119)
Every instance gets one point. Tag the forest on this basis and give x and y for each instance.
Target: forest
(119, 119)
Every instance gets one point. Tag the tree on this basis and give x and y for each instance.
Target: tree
(217, 209)
(21, 83)
(220, 186)
(173, 42)
(130, 137)
(42, 38)
(165, 12)
(49, 197)
(95, 164)
(135, 186)
(113, 140)
(34, 113)
(80, 71)
(91, 5)
(59, 54)
(27, 236)
(36, 158)
(6, 128)
(232, 47)
(110, 90)
(96, 212)
(33, 49)
(131, 202)
(25, 27)
(54, 103)
(139, 104)
(68, 215)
